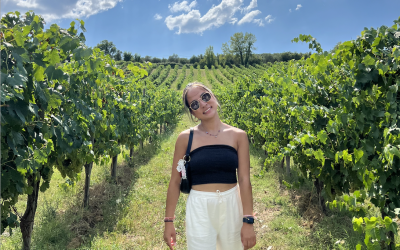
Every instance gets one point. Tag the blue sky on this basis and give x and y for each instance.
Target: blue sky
(162, 27)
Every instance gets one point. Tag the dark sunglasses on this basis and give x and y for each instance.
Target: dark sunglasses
(195, 104)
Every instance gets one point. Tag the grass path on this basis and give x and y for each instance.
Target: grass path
(130, 215)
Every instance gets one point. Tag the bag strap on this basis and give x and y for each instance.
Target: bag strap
(189, 145)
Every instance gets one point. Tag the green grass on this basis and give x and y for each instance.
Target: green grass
(129, 215)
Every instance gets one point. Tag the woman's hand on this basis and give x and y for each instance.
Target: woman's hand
(248, 236)
(170, 234)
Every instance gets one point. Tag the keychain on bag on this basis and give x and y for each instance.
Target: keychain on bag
(183, 165)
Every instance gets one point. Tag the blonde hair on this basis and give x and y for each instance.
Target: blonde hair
(186, 90)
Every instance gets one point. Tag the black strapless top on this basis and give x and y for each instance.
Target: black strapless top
(213, 164)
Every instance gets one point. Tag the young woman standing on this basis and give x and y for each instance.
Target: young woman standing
(219, 212)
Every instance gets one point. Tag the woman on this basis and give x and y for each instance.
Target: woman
(217, 217)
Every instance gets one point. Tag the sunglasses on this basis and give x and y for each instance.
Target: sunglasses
(195, 104)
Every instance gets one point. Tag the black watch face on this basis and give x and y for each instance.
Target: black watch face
(248, 220)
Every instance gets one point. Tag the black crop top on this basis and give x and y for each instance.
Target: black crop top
(213, 164)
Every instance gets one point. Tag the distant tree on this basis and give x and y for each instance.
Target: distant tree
(267, 57)
(118, 55)
(240, 45)
(136, 57)
(128, 56)
(155, 60)
(255, 59)
(173, 58)
(202, 63)
(209, 56)
(164, 60)
(228, 57)
(147, 58)
(225, 49)
(183, 60)
(249, 40)
(194, 59)
(108, 47)
(286, 56)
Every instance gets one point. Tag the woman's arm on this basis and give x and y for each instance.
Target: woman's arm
(247, 233)
(174, 183)
(174, 188)
(244, 174)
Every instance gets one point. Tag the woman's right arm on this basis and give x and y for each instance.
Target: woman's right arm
(174, 188)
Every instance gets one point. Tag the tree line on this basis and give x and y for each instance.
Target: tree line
(238, 51)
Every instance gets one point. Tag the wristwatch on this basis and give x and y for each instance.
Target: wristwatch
(248, 220)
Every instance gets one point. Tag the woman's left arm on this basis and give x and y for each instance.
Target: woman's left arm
(247, 233)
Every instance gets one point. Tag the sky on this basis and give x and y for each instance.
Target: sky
(160, 28)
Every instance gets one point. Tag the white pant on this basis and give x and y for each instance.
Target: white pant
(214, 220)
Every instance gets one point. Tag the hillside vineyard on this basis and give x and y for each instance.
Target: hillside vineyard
(336, 115)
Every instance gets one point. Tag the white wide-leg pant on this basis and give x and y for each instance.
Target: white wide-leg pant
(214, 220)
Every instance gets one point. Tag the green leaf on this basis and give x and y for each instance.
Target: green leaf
(370, 224)
(53, 73)
(38, 72)
(346, 156)
(358, 224)
(332, 127)
(68, 43)
(358, 154)
(45, 185)
(319, 155)
(396, 51)
(19, 39)
(99, 102)
(53, 57)
(82, 25)
(322, 136)
(12, 82)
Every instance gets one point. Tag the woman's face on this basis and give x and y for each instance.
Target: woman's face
(206, 109)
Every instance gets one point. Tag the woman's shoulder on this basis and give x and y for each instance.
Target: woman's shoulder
(183, 136)
(234, 130)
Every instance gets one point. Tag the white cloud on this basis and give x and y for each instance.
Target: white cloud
(298, 6)
(269, 19)
(290, 10)
(249, 17)
(27, 4)
(182, 6)
(193, 22)
(53, 9)
(252, 5)
(157, 17)
(259, 22)
(233, 20)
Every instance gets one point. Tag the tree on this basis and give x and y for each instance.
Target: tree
(202, 63)
(118, 55)
(108, 47)
(249, 40)
(155, 60)
(127, 56)
(147, 58)
(183, 60)
(136, 57)
(194, 59)
(173, 58)
(209, 56)
(240, 45)
(227, 58)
